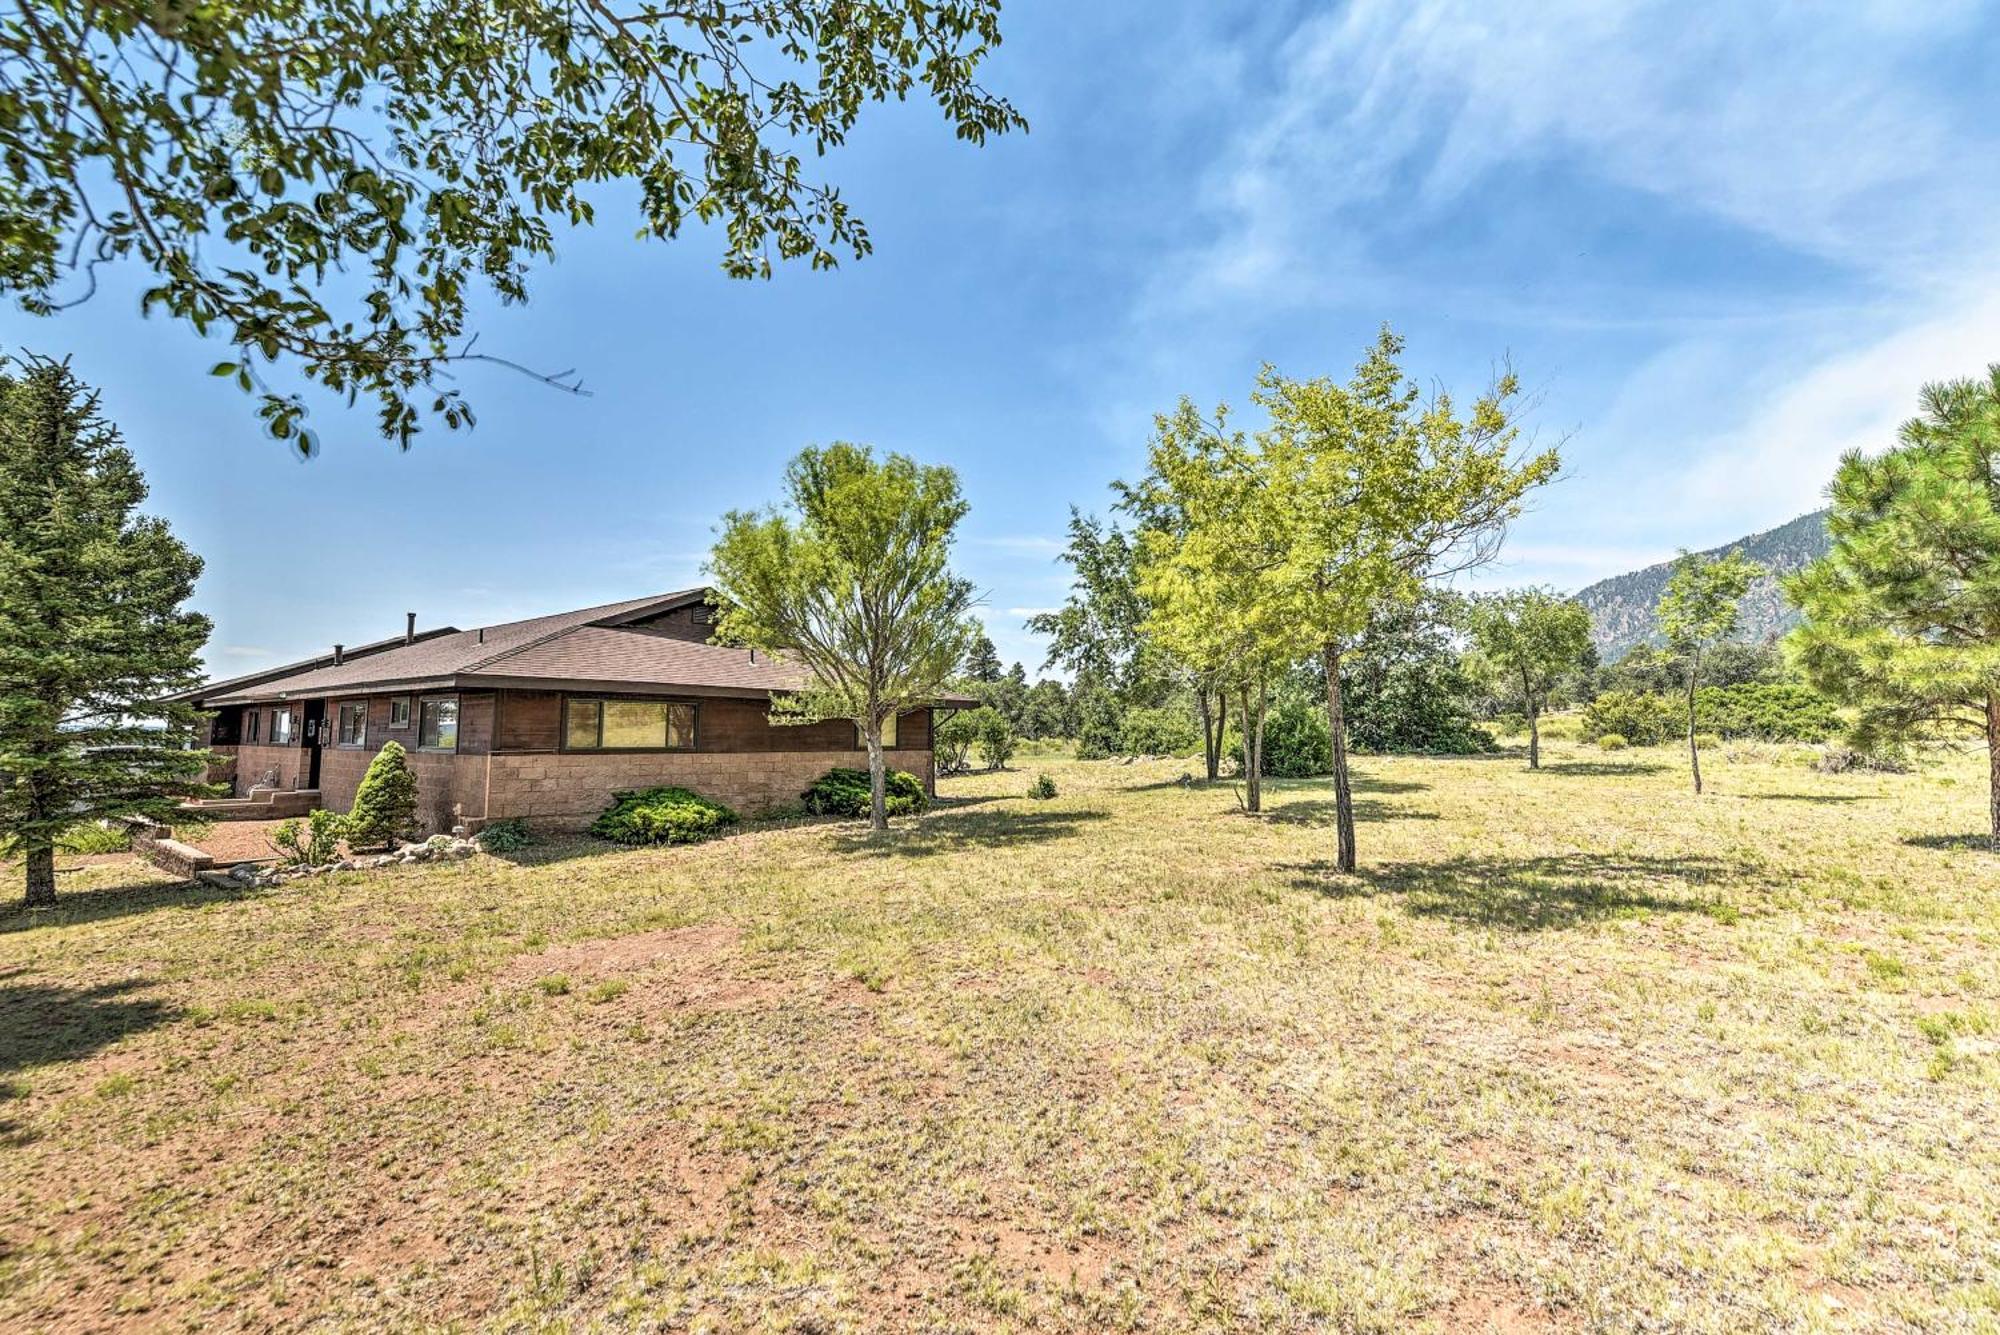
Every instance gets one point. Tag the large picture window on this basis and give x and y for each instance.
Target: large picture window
(281, 727)
(437, 724)
(353, 723)
(627, 725)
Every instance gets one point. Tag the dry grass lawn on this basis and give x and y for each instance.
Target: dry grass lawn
(1576, 1050)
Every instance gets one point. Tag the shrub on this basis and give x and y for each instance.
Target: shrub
(1841, 760)
(661, 816)
(844, 792)
(1158, 732)
(1707, 741)
(1767, 712)
(1043, 788)
(1097, 728)
(506, 836)
(951, 740)
(1640, 719)
(314, 843)
(385, 805)
(1560, 727)
(89, 837)
(1511, 724)
(996, 739)
(1295, 737)
(1611, 741)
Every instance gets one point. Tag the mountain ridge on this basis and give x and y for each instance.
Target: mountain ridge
(1624, 609)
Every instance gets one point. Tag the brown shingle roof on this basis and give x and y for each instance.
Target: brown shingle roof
(438, 658)
(608, 656)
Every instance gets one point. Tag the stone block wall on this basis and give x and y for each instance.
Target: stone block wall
(566, 791)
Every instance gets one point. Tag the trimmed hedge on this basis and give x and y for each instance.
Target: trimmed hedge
(661, 816)
(844, 792)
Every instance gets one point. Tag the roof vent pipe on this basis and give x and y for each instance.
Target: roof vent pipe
(753, 655)
(482, 634)
(409, 628)
(339, 654)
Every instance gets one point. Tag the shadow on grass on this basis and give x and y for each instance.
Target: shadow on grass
(1323, 811)
(1602, 768)
(119, 901)
(42, 1023)
(1536, 894)
(1825, 798)
(1360, 783)
(1958, 843)
(981, 830)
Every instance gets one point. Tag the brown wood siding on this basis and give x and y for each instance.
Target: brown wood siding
(679, 623)
(475, 724)
(529, 721)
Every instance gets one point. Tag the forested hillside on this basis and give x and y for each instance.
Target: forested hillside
(1622, 608)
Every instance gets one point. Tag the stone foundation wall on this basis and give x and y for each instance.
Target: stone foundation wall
(255, 763)
(566, 791)
(446, 783)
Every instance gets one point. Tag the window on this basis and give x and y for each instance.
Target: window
(437, 724)
(353, 723)
(627, 725)
(281, 727)
(250, 721)
(888, 734)
(399, 712)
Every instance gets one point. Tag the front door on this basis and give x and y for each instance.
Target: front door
(315, 738)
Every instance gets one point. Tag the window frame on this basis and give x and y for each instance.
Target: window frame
(409, 713)
(892, 732)
(457, 716)
(694, 725)
(251, 731)
(289, 733)
(340, 741)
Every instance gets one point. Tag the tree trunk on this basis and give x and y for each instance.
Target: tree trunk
(1534, 704)
(1211, 742)
(1993, 770)
(1336, 733)
(1694, 752)
(878, 802)
(1253, 760)
(41, 877)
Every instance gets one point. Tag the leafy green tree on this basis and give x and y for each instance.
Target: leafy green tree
(243, 152)
(1698, 610)
(855, 586)
(1047, 712)
(982, 661)
(1902, 617)
(385, 802)
(1536, 637)
(94, 640)
(996, 739)
(1098, 721)
(1384, 492)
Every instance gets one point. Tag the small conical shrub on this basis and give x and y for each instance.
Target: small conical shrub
(385, 805)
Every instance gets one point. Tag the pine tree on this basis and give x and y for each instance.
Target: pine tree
(385, 802)
(93, 636)
(1902, 617)
(982, 661)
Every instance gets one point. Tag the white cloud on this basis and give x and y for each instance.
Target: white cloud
(1021, 542)
(242, 651)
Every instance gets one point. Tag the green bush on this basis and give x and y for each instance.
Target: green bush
(996, 740)
(844, 792)
(1706, 741)
(1641, 719)
(385, 805)
(313, 843)
(1043, 788)
(506, 836)
(1766, 712)
(1098, 732)
(88, 837)
(1295, 737)
(1560, 727)
(1158, 732)
(661, 816)
(1611, 741)
(952, 740)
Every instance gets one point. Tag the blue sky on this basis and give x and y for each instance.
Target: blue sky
(1720, 243)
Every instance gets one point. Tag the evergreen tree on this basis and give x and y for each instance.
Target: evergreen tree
(1697, 612)
(1903, 616)
(385, 802)
(982, 661)
(93, 636)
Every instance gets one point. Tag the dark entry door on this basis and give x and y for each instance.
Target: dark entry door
(315, 736)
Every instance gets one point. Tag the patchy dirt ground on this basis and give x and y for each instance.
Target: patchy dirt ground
(1574, 1051)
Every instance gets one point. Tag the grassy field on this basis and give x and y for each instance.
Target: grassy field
(1574, 1050)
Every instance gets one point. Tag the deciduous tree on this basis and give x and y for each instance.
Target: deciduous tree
(1535, 637)
(328, 184)
(1902, 617)
(94, 636)
(1697, 612)
(855, 585)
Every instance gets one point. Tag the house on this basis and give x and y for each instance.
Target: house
(541, 719)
